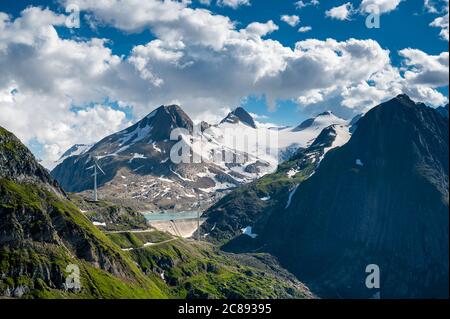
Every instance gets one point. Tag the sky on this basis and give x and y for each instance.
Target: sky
(75, 71)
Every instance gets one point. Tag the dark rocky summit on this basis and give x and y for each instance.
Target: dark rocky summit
(380, 199)
(443, 110)
(240, 115)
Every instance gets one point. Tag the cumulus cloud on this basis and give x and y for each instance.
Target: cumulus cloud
(305, 3)
(422, 68)
(44, 119)
(292, 20)
(44, 76)
(343, 12)
(430, 6)
(442, 22)
(233, 3)
(170, 21)
(261, 29)
(305, 29)
(312, 72)
(382, 6)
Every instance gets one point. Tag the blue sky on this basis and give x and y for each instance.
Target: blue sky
(201, 90)
(407, 26)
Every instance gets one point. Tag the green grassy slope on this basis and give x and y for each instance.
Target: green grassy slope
(188, 269)
(45, 233)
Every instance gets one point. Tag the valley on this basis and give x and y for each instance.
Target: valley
(43, 231)
(140, 169)
(301, 222)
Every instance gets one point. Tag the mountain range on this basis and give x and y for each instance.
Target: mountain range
(379, 199)
(49, 248)
(335, 199)
(137, 161)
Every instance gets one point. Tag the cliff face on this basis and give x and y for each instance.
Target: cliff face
(253, 204)
(18, 164)
(142, 148)
(380, 199)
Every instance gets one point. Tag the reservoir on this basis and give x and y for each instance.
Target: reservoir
(156, 217)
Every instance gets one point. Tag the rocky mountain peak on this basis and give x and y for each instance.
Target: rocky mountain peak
(326, 137)
(240, 115)
(384, 199)
(326, 113)
(167, 118)
(73, 149)
(404, 99)
(18, 163)
(323, 119)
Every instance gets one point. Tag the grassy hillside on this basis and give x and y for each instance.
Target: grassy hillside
(41, 233)
(189, 269)
(116, 216)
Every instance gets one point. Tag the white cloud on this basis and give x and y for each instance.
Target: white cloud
(171, 21)
(312, 72)
(383, 6)
(261, 29)
(422, 68)
(441, 22)
(300, 4)
(430, 6)
(311, 97)
(47, 120)
(305, 3)
(305, 29)
(44, 76)
(422, 73)
(233, 3)
(133, 16)
(343, 12)
(292, 20)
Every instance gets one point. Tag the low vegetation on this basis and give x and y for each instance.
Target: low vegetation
(189, 269)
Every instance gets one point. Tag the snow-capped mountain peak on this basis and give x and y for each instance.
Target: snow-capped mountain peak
(322, 120)
(75, 150)
(239, 115)
(138, 160)
(154, 128)
(290, 139)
